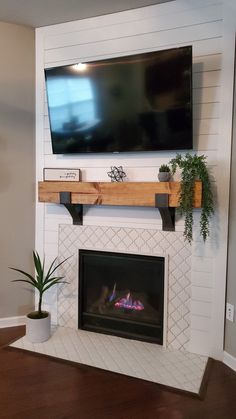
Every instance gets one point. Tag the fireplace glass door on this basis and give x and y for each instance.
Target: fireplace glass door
(121, 294)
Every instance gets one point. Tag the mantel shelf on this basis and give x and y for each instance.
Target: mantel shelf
(161, 195)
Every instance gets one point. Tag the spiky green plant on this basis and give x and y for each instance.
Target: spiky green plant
(164, 168)
(41, 281)
(193, 167)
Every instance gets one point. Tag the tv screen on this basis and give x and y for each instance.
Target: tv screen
(134, 103)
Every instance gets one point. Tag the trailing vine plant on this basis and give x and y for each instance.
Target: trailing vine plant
(193, 168)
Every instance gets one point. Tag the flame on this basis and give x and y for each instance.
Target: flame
(113, 294)
(130, 304)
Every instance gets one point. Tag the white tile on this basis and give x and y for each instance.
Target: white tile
(147, 361)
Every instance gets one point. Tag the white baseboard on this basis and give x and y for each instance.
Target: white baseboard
(12, 321)
(229, 360)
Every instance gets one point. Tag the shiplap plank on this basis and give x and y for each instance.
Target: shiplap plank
(52, 237)
(112, 216)
(206, 110)
(201, 294)
(52, 223)
(206, 95)
(202, 279)
(47, 134)
(206, 79)
(201, 308)
(200, 264)
(46, 122)
(150, 40)
(205, 142)
(122, 214)
(99, 216)
(200, 341)
(205, 126)
(47, 147)
(148, 12)
(205, 47)
(57, 214)
(141, 26)
(143, 159)
(201, 323)
(54, 209)
(201, 50)
(50, 250)
(208, 250)
(206, 62)
(201, 142)
(148, 173)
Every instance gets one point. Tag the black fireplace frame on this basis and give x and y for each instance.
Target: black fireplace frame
(160, 340)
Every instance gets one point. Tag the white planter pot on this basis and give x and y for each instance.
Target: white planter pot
(38, 330)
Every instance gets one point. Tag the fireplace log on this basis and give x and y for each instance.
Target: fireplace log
(101, 302)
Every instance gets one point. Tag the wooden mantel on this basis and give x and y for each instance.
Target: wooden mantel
(161, 195)
(108, 193)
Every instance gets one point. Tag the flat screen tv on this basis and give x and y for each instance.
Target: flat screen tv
(127, 104)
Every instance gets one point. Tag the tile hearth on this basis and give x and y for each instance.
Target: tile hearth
(178, 369)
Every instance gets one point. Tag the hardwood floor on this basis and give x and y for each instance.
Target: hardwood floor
(35, 387)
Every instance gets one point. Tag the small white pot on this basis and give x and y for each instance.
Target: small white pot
(38, 330)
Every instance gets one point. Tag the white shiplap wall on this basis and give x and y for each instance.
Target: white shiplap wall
(200, 24)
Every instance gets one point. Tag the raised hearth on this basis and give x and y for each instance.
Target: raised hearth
(178, 369)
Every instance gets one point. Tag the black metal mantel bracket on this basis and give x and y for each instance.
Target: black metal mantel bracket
(75, 210)
(161, 202)
(167, 213)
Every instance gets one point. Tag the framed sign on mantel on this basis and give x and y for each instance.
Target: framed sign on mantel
(62, 175)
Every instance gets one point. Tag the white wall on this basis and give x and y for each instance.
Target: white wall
(206, 26)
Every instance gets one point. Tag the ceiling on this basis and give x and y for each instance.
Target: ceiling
(38, 13)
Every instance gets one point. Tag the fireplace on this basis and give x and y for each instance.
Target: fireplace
(122, 294)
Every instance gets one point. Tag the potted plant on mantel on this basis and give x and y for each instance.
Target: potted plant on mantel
(38, 323)
(164, 173)
(193, 168)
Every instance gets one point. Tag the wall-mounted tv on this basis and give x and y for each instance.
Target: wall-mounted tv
(127, 104)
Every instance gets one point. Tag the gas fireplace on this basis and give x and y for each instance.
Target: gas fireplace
(122, 294)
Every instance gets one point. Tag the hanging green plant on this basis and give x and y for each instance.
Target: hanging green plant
(193, 168)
